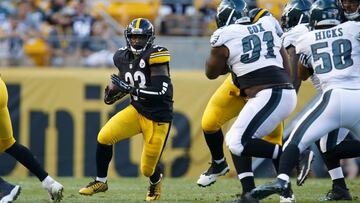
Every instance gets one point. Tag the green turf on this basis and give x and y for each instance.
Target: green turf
(173, 190)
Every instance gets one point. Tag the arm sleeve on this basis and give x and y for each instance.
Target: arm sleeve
(160, 85)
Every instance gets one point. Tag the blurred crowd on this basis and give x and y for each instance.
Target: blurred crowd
(61, 33)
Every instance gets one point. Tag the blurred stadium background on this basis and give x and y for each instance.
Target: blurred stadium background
(56, 58)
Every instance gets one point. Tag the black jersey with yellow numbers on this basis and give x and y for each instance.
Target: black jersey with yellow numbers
(136, 70)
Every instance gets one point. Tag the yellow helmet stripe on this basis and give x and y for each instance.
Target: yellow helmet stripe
(258, 15)
(138, 23)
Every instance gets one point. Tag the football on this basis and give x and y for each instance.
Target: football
(113, 89)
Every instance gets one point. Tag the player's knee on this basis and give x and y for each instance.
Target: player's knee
(6, 143)
(147, 171)
(209, 125)
(105, 138)
(234, 147)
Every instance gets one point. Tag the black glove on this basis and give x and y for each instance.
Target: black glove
(124, 87)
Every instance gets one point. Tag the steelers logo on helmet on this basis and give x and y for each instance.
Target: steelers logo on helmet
(139, 35)
(351, 9)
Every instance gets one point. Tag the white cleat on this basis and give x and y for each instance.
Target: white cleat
(55, 191)
(209, 177)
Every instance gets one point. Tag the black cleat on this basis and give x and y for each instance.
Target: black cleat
(287, 195)
(9, 192)
(209, 177)
(337, 193)
(245, 198)
(304, 166)
(265, 190)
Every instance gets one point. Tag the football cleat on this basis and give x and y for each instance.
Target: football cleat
(215, 170)
(245, 198)
(265, 190)
(93, 188)
(55, 191)
(304, 167)
(287, 195)
(8, 192)
(154, 191)
(337, 193)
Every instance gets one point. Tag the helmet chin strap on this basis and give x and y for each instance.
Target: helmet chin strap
(353, 15)
(137, 51)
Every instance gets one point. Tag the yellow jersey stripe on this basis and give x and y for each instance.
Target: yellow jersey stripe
(160, 52)
(138, 23)
(259, 15)
(159, 55)
(159, 59)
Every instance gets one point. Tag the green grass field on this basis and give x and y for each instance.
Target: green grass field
(173, 190)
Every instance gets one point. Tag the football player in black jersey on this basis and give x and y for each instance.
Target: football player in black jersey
(9, 145)
(144, 74)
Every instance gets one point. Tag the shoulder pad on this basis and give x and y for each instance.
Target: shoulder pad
(291, 36)
(158, 55)
(216, 39)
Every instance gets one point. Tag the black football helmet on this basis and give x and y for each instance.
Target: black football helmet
(294, 13)
(351, 9)
(144, 30)
(325, 13)
(230, 12)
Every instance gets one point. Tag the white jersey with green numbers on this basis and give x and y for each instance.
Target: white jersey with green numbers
(334, 55)
(290, 37)
(251, 47)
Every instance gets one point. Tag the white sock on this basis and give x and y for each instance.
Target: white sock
(220, 160)
(244, 175)
(276, 152)
(46, 183)
(101, 179)
(336, 173)
(283, 176)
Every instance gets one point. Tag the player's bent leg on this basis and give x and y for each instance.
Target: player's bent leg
(122, 125)
(224, 105)
(8, 192)
(155, 136)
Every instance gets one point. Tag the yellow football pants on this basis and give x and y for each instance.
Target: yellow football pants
(128, 123)
(225, 104)
(6, 134)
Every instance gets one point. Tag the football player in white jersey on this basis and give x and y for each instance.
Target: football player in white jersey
(295, 20)
(351, 9)
(333, 54)
(251, 52)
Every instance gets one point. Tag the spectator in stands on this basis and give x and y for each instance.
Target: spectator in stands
(207, 11)
(59, 17)
(95, 50)
(81, 24)
(176, 17)
(12, 37)
(4, 12)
